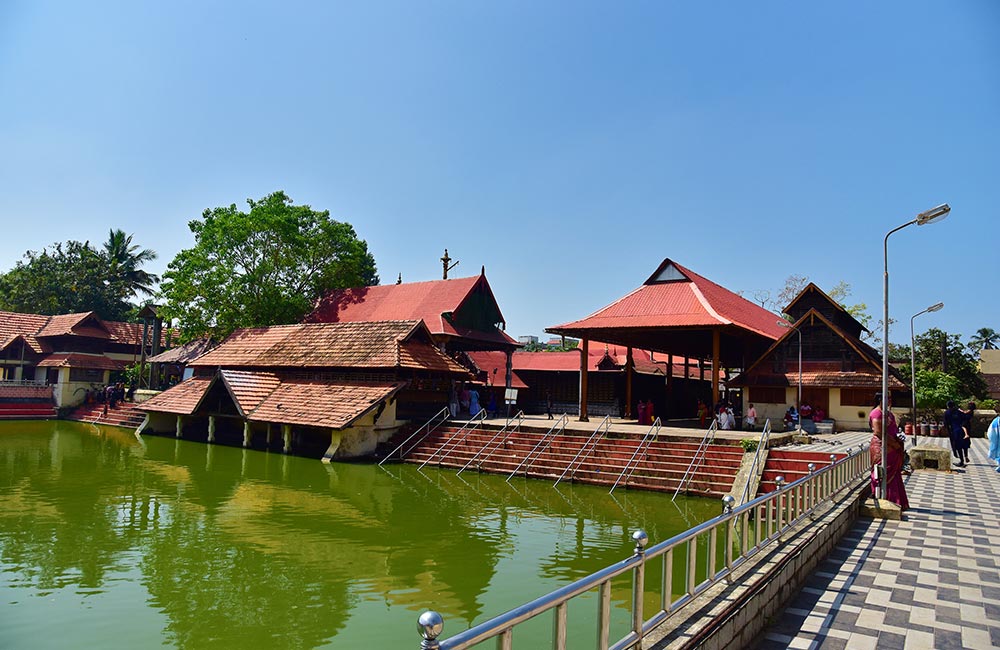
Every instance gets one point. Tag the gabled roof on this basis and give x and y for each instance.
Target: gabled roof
(184, 353)
(14, 325)
(570, 361)
(35, 328)
(270, 397)
(826, 376)
(494, 364)
(385, 344)
(82, 324)
(676, 297)
(80, 360)
(432, 302)
(813, 289)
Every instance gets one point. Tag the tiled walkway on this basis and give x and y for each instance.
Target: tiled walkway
(930, 581)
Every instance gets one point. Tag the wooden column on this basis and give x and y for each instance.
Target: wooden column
(584, 359)
(715, 365)
(668, 406)
(211, 428)
(179, 427)
(629, 369)
(286, 433)
(246, 433)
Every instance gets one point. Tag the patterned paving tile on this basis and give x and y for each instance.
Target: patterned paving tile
(929, 581)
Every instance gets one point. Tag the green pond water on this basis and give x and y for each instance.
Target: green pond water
(111, 542)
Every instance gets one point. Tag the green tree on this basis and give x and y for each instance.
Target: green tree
(935, 349)
(64, 278)
(124, 262)
(935, 388)
(267, 266)
(985, 338)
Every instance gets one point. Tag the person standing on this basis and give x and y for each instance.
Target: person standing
(640, 410)
(702, 413)
(993, 433)
(548, 403)
(751, 418)
(895, 490)
(955, 423)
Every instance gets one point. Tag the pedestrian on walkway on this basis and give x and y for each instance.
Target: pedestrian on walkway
(993, 434)
(895, 490)
(548, 403)
(958, 433)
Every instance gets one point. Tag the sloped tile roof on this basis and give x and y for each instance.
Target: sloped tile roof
(689, 301)
(131, 333)
(333, 405)
(488, 361)
(184, 353)
(426, 301)
(387, 344)
(249, 389)
(80, 360)
(14, 325)
(68, 323)
(570, 361)
(181, 399)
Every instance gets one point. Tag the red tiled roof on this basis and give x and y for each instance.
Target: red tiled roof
(388, 344)
(184, 353)
(68, 324)
(333, 405)
(182, 399)
(688, 301)
(826, 379)
(494, 364)
(570, 361)
(14, 325)
(426, 301)
(131, 333)
(266, 397)
(80, 360)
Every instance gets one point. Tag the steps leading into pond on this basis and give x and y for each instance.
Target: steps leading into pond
(124, 414)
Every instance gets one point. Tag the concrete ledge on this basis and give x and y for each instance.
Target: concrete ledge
(881, 509)
(930, 457)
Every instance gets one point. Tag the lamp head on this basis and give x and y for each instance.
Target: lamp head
(934, 214)
(936, 307)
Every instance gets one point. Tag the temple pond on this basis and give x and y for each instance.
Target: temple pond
(112, 542)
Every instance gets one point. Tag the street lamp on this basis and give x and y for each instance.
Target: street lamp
(930, 216)
(913, 370)
(798, 405)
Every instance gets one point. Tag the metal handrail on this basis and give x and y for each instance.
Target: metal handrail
(457, 438)
(606, 425)
(762, 522)
(647, 439)
(698, 458)
(560, 424)
(519, 416)
(765, 438)
(443, 412)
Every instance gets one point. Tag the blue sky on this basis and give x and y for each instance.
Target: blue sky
(568, 147)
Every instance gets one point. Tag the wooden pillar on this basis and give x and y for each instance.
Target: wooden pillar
(246, 433)
(508, 380)
(179, 427)
(715, 364)
(335, 438)
(584, 360)
(267, 438)
(211, 428)
(629, 368)
(669, 402)
(286, 433)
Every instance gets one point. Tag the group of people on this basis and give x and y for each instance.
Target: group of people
(466, 399)
(805, 415)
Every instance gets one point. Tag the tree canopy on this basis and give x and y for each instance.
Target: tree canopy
(74, 277)
(937, 350)
(266, 266)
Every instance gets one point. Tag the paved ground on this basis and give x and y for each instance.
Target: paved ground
(930, 581)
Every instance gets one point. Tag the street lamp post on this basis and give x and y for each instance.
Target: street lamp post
(798, 404)
(913, 370)
(930, 216)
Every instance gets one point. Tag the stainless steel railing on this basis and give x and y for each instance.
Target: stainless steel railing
(505, 431)
(436, 420)
(458, 438)
(765, 439)
(559, 425)
(743, 532)
(629, 468)
(698, 458)
(587, 447)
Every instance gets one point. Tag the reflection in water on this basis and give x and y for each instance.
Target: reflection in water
(168, 542)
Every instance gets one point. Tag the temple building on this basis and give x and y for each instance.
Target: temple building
(840, 374)
(65, 356)
(334, 390)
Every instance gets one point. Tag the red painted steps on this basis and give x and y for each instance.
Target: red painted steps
(660, 467)
(792, 465)
(27, 410)
(124, 415)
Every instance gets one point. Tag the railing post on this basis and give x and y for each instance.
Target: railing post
(429, 625)
(811, 500)
(780, 482)
(727, 508)
(639, 585)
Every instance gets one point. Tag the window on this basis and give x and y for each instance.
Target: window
(767, 395)
(857, 396)
(86, 375)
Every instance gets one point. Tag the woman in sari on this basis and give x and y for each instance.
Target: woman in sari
(895, 490)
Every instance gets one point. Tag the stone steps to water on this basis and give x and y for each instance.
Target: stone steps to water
(124, 415)
(792, 465)
(661, 466)
(28, 410)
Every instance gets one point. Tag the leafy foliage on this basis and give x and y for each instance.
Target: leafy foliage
(935, 388)
(75, 277)
(985, 338)
(935, 349)
(264, 267)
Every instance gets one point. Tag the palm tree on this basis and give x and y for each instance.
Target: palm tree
(985, 338)
(124, 260)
